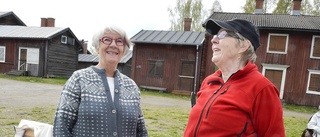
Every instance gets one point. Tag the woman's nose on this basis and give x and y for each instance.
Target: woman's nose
(215, 39)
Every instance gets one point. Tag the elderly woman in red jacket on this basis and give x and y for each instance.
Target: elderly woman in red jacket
(237, 100)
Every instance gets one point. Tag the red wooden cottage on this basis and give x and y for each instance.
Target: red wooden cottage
(45, 51)
(167, 60)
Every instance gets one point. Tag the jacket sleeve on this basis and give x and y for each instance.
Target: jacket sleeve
(67, 109)
(268, 114)
(312, 124)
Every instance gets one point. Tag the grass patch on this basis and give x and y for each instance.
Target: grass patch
(10, 117)
(165, 122)
(58, 80)
(160, 121)
(300, 109)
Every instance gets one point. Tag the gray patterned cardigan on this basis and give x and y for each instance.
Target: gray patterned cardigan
(86, 107)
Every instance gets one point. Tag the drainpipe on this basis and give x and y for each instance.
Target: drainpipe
(45, 67)
(193, 94)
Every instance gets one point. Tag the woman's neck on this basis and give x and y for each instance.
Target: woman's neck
(109, 69)
(230, 68)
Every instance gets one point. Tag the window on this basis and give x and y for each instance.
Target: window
(314, 82)
(64, 39)
(71, 41)
(276, 74)
(155, 68)
(277, 43)
(2, 53)
(315, 47)
(186, 76)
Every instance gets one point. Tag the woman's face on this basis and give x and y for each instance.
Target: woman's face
(111, 48)
(225, 47)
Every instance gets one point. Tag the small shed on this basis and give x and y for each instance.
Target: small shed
(41, 51)
(45, 51)
(167, 60)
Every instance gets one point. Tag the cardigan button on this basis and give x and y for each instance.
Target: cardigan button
(114, 111)
(115, 133)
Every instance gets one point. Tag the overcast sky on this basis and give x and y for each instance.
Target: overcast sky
(84, 17)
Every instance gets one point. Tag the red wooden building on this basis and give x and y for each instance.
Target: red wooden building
(289, 55)
(44, 51)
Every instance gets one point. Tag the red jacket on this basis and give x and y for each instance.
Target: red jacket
(247, 105)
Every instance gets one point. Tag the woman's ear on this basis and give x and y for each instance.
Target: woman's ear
(244, 45)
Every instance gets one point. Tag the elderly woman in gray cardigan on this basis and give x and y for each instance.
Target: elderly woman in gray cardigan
(99, 101)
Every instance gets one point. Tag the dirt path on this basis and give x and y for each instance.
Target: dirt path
(25, 94)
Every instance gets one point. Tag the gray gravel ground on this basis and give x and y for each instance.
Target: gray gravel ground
(23, 94)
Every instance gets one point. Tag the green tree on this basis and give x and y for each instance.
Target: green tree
(216, 7)
(250, 6)
(187, 9)
(312, 9)
(283, 7)
(306, 7)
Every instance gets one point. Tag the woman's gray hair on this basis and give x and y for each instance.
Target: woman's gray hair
(249, 54)
(113, 29)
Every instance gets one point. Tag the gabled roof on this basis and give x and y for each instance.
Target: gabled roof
(274, 21)
(11, 18)
(25, 32)
(88, 58)
(190, 38)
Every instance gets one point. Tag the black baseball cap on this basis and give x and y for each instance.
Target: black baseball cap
(244, 27)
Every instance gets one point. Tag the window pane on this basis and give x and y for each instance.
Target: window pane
(151, 68)
(316, 47)
(155, 68)
(277, 43)
(275, 76)
(314, 84)
(2, 54)
(187, 68)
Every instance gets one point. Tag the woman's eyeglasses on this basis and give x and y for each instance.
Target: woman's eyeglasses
(224, 33)
(108, 41)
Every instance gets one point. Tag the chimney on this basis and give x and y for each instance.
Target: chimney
(84, 47)
(47, 22)
(296, 7)
(187, 24)
(50, 22)
(259, 7)
(43, 22)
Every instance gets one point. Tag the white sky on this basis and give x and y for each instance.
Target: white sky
(83, 17)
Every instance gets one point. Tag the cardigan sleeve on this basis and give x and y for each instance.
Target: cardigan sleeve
(67, 109)
(141, 127)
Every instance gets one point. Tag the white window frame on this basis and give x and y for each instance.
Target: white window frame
(309, 75)
(277, 34)
(283, 68)
(64, 39)
(312, 45)
(4, 53)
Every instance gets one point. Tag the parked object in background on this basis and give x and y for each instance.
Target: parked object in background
(29, 128)
(314, 124)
